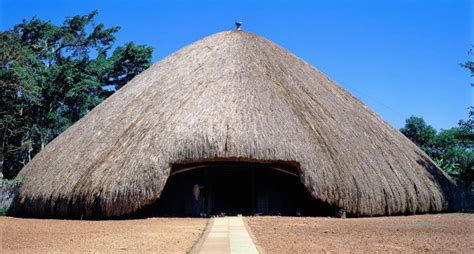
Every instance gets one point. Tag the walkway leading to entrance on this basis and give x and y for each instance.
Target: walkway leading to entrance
(228, 235)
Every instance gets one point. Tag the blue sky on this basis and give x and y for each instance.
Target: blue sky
(399, 57)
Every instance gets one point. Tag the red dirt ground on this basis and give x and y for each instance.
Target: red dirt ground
(421, 233)
(406, 234)
(164, 235)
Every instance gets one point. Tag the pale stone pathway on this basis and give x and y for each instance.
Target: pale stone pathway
(228, 235)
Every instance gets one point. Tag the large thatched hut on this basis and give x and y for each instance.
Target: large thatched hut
(260, 130)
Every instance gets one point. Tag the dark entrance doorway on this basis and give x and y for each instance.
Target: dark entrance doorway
(229, 191)
(231, 188)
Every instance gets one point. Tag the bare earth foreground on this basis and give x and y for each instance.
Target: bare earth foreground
(164, 235)
(420, 233)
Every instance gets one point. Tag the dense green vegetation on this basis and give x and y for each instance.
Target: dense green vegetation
(451, 149)
(52, 75)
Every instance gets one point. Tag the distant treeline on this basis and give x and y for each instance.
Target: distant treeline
(451, 149)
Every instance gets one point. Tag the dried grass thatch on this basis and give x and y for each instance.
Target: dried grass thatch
(232, 95)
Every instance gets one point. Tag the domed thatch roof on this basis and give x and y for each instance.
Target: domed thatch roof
(231, 96)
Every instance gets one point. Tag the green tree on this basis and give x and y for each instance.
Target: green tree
(470, 64)
(468, 125)
(453, 152)
(52, 75)
(451, 149)
(419, 132)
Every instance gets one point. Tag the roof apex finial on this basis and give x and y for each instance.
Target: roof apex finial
(237, 25)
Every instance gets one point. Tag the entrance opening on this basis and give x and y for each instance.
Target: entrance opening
(232, 188)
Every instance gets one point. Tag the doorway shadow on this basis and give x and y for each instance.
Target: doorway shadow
(233, 188)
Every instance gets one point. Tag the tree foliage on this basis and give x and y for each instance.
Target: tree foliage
(451, 149)
(470, 64)
(419, 132)
(52, 75)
